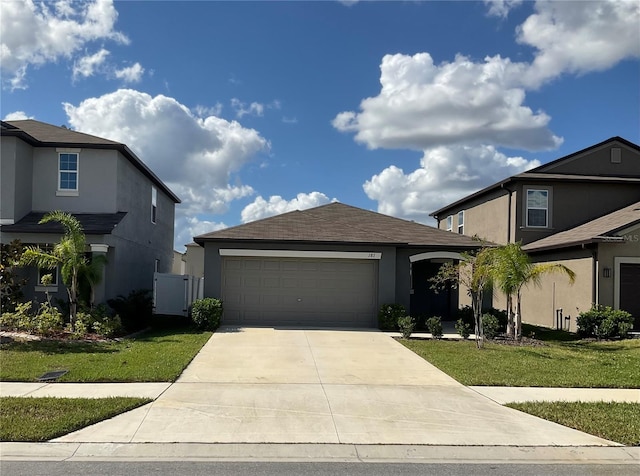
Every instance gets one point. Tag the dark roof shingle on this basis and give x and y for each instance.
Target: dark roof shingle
(339, 223)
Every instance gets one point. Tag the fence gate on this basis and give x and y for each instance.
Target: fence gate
(174, 293)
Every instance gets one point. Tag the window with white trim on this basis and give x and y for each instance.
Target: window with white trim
(154, 204)
(42, 272)
(461, 222)
(537, 208)
(450, 223)
(68, 171)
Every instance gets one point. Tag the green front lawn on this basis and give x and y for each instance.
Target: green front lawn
(41, 419)
(559, 363)
(157, 356)
(619, 422)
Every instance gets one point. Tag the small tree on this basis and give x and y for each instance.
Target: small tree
(69, 254)
(472, 271)
(10, 283)
(512, 270)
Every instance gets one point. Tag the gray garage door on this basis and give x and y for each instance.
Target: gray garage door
(299, 291)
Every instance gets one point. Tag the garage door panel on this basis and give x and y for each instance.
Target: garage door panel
(313, 292)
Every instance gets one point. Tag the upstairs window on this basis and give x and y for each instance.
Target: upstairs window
(537, 208)
(461, 222)
(68, 172)
(450, 223)
(154, 204)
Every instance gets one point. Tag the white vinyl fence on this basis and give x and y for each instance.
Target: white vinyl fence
(174, 293)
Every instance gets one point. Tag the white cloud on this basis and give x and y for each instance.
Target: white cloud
(423, 105)
(38, 32)
(446, 174)
(579, 37)
(189, 226)
(17, 116)
(131, 74)
(203, 111)
(289, 120)
(242, 109)
(195, 156)
(87, 65)
(261, 208)
(501, 8)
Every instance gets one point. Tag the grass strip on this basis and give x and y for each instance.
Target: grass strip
(555, 364)
(156, 356)
(619, 422)
(42, 419)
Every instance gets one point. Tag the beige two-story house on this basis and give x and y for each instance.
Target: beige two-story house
(581, 210)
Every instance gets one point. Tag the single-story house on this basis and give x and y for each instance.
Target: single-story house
(332, 265)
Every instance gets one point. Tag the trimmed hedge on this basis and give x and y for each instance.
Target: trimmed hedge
(206, 313)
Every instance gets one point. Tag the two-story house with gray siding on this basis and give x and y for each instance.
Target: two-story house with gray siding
(126, 211)
(583, 211)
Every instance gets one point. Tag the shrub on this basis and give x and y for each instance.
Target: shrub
(604, 322)
(388, 316)
(499, 314)
(465, 314)
(406, 324)
(463, 328)
(490, 326)
(206, 313)
(47, 320)
(99, 320)
(134, 310)
(434, 325)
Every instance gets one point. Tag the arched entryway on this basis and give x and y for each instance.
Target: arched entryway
(425, 301)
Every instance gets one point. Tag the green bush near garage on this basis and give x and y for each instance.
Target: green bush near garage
(206, 313)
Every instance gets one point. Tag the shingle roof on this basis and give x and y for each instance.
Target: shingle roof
(340, 223)
(92, 223)
(41, 134)
(594, 231)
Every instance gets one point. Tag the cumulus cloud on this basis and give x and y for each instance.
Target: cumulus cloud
(422, 105)
(579, 37)
(39, 32)
(195, 156)
(261, 208)
(189, 226)
(459, 112)
(17, 116)
(87, 65)
(446, 173)
(131, 74)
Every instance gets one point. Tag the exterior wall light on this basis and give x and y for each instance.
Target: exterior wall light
(606, 272)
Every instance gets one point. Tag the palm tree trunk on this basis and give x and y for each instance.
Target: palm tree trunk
(73, 296)
(510, 317)
(518, 318)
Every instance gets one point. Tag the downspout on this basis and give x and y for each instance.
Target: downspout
(596, 277)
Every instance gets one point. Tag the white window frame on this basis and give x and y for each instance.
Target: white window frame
(546, 209)
(450, 223)
(154, 204)
(461, 222)
(68, 192)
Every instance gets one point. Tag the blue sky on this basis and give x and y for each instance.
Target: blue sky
(248, 109)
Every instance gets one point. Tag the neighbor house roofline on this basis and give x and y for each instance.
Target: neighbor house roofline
(12, 128)
(536, 175)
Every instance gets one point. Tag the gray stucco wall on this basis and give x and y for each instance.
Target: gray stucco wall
(96, 179)
(16, 169)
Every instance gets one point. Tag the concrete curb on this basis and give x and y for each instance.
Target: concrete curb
(317, 453)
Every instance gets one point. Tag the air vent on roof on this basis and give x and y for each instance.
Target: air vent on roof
(616, 155)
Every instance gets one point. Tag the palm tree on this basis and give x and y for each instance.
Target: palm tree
(69, 254)
(512, 270)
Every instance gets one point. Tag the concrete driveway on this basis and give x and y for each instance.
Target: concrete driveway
(264, 385)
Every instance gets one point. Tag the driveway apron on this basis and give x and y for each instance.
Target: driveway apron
(266, 385)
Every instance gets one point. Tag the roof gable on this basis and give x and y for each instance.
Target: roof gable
(41, 134)
(339, 223)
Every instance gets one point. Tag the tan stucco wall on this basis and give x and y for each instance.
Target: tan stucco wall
(539, 304)
(194, 259)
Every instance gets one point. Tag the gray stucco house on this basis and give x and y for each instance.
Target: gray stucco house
(581, 210)
(126, 211)
(333, 265)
